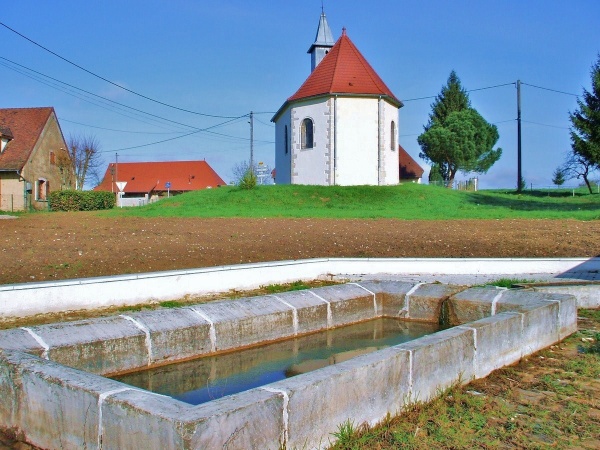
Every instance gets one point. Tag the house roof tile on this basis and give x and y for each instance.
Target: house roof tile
(344, 70)
(145, 177)
(409, 168)
(26, 126)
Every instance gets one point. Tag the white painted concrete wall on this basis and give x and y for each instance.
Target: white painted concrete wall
(390, 160)
(311, 165)
(28, 299)
(283, 159)
(351, 133)
(356, 141)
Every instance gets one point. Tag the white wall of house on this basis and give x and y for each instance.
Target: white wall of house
(390, 160)
(352, 138)
(282, 158)
(312, 165)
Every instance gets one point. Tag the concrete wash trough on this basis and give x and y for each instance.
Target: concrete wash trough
(54, 394)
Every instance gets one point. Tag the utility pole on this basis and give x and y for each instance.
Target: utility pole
(519, 173)
(251, 141)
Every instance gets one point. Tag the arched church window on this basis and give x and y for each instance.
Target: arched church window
(285, 137)
(393, 136)
(306, 133)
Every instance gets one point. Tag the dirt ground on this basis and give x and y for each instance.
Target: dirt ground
(40, 247)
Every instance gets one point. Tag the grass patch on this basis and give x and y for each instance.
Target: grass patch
(406, 201)
(548, 400)
(295, 286)
(171, 304)
(509, 282)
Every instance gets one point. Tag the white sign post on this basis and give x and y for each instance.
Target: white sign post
(121, 185)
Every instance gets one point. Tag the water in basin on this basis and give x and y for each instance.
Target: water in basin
(208, 378)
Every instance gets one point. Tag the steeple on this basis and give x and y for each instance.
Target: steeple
(323, 42)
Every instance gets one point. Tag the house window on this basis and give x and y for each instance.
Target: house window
(52, 158)
(393, 136)
(285, 137)
(42, 188)
(306, 133)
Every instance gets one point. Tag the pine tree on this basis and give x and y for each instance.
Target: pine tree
(453, 97)
(585, 126)
(457, 138)
(558, 177)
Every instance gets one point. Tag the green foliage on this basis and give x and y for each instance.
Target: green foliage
(509, 282)
(295, 286)
(248, 179)
(457, 138)
(452, 98)
(558, 177)
(344, 435)
(585, 130)
(464, 141)
(435, 175)
(70, 200)
(406, 201)
(584, 157)
(172, 304)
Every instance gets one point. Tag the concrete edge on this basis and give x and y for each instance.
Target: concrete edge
(29, 299)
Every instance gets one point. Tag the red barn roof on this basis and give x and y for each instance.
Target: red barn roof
(344, 70)
(25, 126)
(146, 177)
(409, 168)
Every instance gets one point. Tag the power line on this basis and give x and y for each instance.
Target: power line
(548, 89)
(116, 103)
(111, 82)
(62, 119)
(470, 90)
(173, 138)
(546, 125)
(264, 123)
(86, 92)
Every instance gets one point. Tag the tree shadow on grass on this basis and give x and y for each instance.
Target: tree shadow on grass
(538, 201)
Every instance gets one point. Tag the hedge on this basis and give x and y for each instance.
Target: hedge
(70, 200)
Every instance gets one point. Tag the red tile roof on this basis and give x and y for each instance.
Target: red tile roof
(146, 177)
(344, 70)
(26, 126)
(409, 168)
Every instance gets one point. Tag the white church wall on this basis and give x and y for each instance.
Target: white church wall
(356, 141)
(282, 158)
(311, 165)
(390, 161)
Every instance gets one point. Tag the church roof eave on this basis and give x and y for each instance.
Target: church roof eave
(392, 100)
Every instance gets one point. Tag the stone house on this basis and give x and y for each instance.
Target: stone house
(341, 125)
(33, 158)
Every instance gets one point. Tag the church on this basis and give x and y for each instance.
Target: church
(341, 125)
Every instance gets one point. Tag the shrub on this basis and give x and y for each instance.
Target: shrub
(248, 180)
(70, 200)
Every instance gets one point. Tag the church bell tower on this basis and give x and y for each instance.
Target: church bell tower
(323, 42)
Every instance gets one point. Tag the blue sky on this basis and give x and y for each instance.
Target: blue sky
(229, 57)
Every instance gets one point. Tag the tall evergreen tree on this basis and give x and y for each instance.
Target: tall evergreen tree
(457, 138)
(585, 125)
(453, 97)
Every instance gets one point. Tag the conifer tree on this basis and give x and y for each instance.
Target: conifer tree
(457, 138)
(585, 128)
(453, 97)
